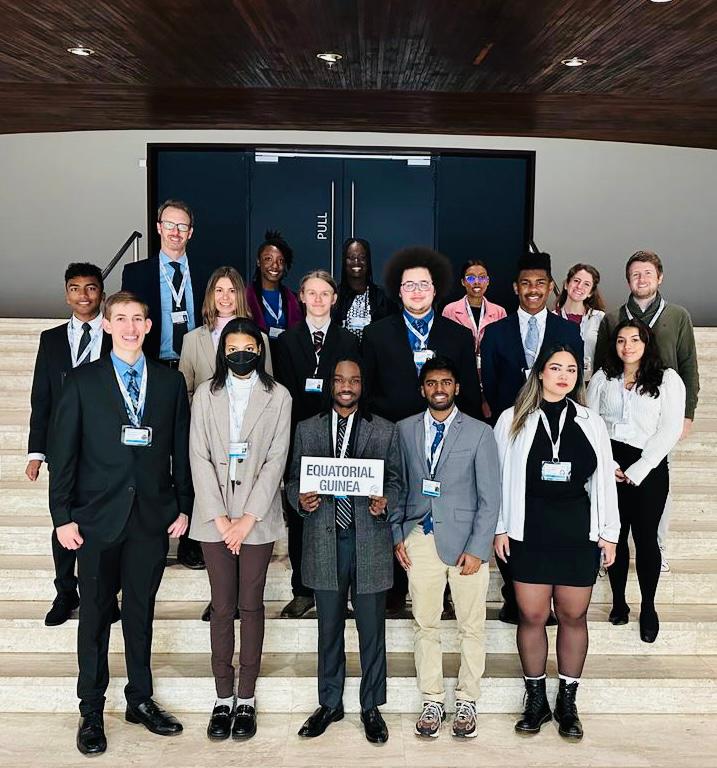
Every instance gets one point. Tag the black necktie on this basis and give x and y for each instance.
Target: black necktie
(318, 342)
(344, 507)
(84, 343)
(178, 329)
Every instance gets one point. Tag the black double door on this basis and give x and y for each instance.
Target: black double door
(317, 202)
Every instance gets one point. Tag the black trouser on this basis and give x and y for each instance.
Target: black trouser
(65, 579)
(134, 563)
(295, 524)
(641, 508)
(369, 611)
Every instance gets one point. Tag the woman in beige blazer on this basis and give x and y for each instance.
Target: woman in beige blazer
(224, 299)
(238, 445)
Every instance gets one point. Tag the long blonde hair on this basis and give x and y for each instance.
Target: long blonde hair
(531, 393)
(209, 307)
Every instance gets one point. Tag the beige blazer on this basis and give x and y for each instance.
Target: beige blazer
(199, 357)
(266, 427)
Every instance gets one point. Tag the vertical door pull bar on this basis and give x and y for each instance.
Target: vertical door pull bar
(333, 201)
(353, 207)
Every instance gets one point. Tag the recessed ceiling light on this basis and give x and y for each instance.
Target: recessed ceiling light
(329, 58)
(80, 50)
(574, 62)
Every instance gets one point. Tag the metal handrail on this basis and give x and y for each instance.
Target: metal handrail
(132, 240)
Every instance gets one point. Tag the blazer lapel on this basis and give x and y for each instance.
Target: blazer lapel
(401, 352)
(207, 346)
(152, 396)
(306, 345)
(106, 347)
(449, 441)
(420, 437)
(108, 371)
(516, 342)
(258, 401)
(219, 402)
(364, 433)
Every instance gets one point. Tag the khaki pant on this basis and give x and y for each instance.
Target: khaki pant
(427, 578)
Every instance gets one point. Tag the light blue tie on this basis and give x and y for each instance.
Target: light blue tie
(531, 342)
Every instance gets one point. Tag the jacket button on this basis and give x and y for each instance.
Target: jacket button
(238, 482)
(329, 529)
(131, 489)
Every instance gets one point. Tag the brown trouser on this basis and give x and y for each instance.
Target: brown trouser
(226, 579)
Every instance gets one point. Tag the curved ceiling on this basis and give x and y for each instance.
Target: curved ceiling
(448, 66)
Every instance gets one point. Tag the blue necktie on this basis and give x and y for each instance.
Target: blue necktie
(427, 521)
(531, 341)
(133, 391)
(421, 325)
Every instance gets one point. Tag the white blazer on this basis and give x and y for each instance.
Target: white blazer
(601, 486)
(589, 327)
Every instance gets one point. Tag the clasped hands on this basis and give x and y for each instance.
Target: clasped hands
(235, 531)
(309, 502)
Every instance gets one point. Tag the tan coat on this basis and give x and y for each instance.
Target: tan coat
(266, 428)
(199, 357)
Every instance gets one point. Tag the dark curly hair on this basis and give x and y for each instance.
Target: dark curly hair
(418, 256)
(272, 238)
(649, 374)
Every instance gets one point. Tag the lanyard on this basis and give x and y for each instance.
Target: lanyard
(236, 411)
(268, 308)
(472, 318)
(422, 337)
(94, 336)
(134, 415)
(663, 304)
(561, 424)
(176, 295)
(347, 433)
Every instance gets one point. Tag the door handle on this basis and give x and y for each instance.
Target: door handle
(333, 205)
(353, 207)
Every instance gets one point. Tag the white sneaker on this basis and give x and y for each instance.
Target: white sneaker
(464, 723)
(664, 565)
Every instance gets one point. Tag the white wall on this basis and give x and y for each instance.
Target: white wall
(77, 196)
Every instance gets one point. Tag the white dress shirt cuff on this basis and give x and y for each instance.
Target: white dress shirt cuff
(36, 457)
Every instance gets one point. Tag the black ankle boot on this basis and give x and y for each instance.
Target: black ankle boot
(536, 709)
(566, 711)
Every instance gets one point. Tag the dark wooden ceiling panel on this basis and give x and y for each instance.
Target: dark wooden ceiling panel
(421, 51)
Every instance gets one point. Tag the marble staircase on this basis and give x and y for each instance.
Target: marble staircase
(678, 674)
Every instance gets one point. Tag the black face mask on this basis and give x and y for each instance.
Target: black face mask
(242, 363)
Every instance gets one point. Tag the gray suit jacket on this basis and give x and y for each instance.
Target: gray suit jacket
(465, 514)
(376, 439)
(199, 357)
(266, 428)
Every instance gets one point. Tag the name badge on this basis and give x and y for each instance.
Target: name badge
(136, 436)
(274, 333)
(357, 323)
(431, 488)
(422, 356)
(179, 317)
(478, 361)
(238, 451)
(556, 471)
(314, 385)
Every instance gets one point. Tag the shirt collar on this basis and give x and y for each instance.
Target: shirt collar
(313, 328)
(524, 316)
(95, 324)
(428, 419)
(122, 367)
(166, 260)
(428, 318)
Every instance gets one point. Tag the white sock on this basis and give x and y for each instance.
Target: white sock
(228, 702)
(247, 702)
(542, 677)
(569, 680)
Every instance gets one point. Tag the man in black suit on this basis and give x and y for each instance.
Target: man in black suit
(174, 293)
(509, 348)
(77, 342)
(305, 356)
(396, 348)
(120, 483)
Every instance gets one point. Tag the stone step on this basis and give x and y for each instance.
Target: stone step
(30, 577)
(287, 683)
(684, 630)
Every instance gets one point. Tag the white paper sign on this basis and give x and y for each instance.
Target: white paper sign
(341, 477)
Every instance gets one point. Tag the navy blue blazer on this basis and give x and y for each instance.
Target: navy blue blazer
(503, 363)
(142, 279)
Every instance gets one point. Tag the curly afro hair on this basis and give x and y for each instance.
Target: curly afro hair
(418, 256)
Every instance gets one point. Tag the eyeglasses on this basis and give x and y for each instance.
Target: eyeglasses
(482, 279)
(411, 287)
(170, 226)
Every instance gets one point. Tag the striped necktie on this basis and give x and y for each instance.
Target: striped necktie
(344, 505)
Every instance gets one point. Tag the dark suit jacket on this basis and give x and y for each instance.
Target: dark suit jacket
(503, 363)
(52, 364)
(95, 479)
(392, 380)
(376, 438)
(142, 278)
(295, 362)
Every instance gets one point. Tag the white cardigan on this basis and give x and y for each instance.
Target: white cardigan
(654, 424)
(601, 486)
(589, 327)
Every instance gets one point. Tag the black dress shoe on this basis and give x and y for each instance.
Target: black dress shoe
(320, 721)
(649, 626)
(244, 722)
(566, 712)
(207, 612)
(299, 606)
(508, 613)
(91, 738)
(395, 605)
(153, 718)
(449, 611)
(619, 615)
(62, 607)
(536, 710)
(220, 723)
(189, 554)
(374, 726)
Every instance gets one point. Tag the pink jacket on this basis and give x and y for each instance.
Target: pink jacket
(460, 313)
